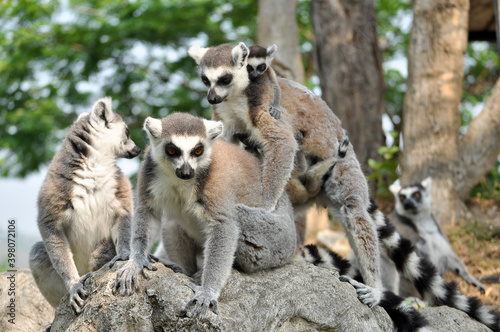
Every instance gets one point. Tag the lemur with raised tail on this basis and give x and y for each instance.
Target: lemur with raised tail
(207, 195)
(84, 206)
(344, 190)
(413, 218)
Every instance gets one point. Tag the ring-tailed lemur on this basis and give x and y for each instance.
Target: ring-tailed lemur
(345, 190)
(259, 61)
(414, 215)
(424, 276)
(84, 206)
(308, 182)
(207, 194)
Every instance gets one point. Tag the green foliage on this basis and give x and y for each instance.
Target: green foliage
(57, 58)
(385, 172)
(489, 187)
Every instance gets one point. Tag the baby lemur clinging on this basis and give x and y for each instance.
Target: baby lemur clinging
(84, 206)
(237, 102)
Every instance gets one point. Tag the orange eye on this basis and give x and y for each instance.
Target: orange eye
(416, 195)
(170, 152)
(198, 151)
(402, 197)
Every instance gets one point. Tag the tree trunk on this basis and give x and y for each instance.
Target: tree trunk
(480, 146)
(277, 24)
(431, 118)
(348, 63)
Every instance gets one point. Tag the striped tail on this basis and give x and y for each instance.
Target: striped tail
(423, 274)
(405, 318)
(344, 144)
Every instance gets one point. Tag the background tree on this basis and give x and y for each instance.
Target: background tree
(349, 66)
(274, 26)
(431, 115)
(57, 57)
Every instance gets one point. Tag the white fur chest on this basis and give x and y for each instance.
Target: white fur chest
(234, 113)
(94, 210)
(175, 200)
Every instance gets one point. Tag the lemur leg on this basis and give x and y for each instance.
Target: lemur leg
(300, 228)
(218, 258)
(348, 199)
(122, 239)
(145, 228)
(267, 239)
(49, 282)
(279, 152)
(179, 248)
(456, 266)
(102, 254)
(61, 257)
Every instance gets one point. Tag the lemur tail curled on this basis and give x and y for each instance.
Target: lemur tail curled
(423, 274)
(405, 317)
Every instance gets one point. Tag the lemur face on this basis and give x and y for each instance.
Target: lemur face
(259, 60)
(414, 199)
(110, 133)
(220, 83)
(181, 143)
(256, 67)
(222, 69)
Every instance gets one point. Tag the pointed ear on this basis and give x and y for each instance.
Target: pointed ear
(81, 116)
(395, 188)
(427, 183)
(197, 53)
(102, 112)
(153, 127)
(270, 51)
(214, 128)
(239, 55)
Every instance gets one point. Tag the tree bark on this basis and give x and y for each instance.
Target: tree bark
(431, 119)
(348, 63)
(277, 24)
(480, 146)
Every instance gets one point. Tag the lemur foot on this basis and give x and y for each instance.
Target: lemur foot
(202, 301)
(479, 286)
(127, 277)
(275, 112)
(78, 294)
(366, 294)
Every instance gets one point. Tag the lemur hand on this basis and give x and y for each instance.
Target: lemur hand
(202, 300)
(78, 294)
(119, 257)
(275, 112)
(127, 277)
(366, 294)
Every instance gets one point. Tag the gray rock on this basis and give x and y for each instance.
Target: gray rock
(32, 311)
(296, 297)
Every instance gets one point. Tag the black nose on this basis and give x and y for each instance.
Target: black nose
(134, 152)
(213, 98)
(408, 205)
(185, 172)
